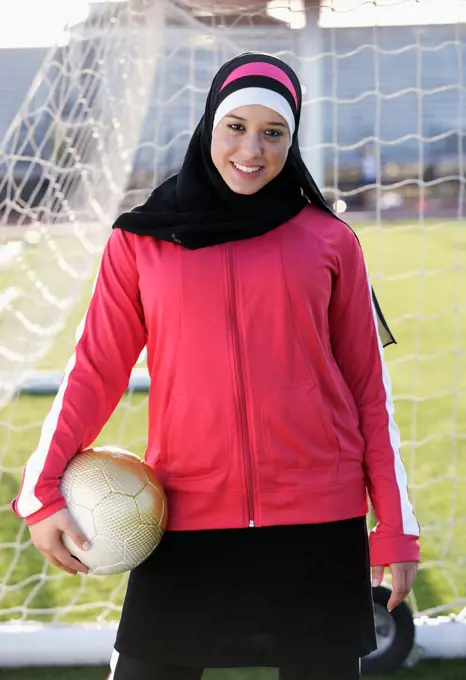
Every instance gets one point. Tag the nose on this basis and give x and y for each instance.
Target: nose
(252, 146)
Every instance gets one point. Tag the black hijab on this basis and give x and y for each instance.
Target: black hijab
(196, 209)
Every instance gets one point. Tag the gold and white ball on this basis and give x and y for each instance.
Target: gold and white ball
(119, 504)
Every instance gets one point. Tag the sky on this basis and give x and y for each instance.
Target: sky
(40, 23)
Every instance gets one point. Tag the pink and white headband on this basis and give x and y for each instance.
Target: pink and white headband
(258, 83)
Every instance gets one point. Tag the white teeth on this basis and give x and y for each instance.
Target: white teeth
(244, 168)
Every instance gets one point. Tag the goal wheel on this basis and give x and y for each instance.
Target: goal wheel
(395, 635)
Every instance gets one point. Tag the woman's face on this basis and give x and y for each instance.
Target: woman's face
(249, 147)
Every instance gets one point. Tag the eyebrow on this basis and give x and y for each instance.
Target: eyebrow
(232, 115)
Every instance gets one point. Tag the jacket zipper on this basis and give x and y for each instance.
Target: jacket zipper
(241, 396)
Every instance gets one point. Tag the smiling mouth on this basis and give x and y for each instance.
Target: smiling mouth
(247, 169)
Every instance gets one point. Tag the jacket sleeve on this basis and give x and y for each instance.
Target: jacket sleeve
(358, 351)
(109, 340)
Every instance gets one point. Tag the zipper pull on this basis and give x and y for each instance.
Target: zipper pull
(251, 524)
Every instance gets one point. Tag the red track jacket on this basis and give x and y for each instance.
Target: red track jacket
(269, 403)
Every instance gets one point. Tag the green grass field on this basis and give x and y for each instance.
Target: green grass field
(420, 278)
(433, 670)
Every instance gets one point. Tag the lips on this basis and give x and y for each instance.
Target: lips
(247, 170)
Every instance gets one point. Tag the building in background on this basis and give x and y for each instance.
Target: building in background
(398, 90)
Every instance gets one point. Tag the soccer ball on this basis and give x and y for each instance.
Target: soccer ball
(117, 501)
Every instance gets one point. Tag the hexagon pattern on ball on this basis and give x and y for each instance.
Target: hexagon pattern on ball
(134, 545)
(113, 551)
(89, 487)
(151, 505)
(86, 519)
(126, 478)
(93, 460)
(118, 499)
(117, 515)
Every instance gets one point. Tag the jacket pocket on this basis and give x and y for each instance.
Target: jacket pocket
(298, 430)
(194, 440)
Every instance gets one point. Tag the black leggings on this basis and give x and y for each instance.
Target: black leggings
(126, 668)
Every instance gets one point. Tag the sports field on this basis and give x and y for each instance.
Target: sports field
(419, 273)
(433, 670)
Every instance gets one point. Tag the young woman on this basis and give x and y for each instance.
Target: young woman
(270, 415)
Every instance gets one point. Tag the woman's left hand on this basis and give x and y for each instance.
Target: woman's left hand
(403, 577)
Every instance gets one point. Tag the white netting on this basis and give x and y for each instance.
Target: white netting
(65, 163)
(108, 115)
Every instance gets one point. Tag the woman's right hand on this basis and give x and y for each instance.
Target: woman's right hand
(46, 536)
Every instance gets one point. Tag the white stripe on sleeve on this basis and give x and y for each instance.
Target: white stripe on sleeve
(27, 502)
(410, 525)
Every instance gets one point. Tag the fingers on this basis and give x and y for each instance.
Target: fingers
(50, 558)
(62, 555)
(399, 593)
(411, 575)
(403, 577)
(46, 536)
(56, 553)
(72, 530)
(377, 575)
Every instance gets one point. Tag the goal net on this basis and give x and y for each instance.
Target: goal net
(105, 115)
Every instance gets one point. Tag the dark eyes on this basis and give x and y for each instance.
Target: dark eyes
(237, 127)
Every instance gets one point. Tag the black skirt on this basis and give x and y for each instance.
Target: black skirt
(252, 597)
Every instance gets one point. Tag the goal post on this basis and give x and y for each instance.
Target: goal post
(106, 118)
